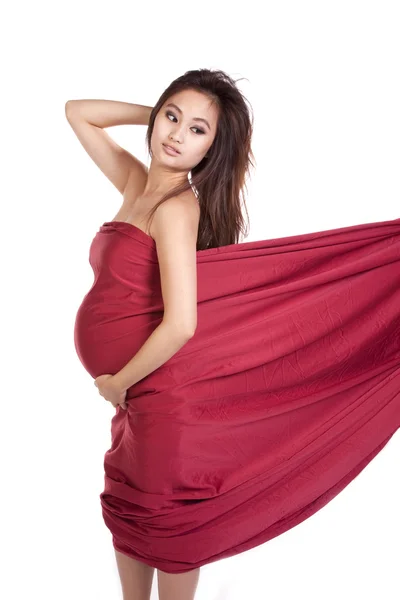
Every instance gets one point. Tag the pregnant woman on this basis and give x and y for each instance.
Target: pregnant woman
(253, 381)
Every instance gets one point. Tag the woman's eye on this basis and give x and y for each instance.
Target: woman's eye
(171, 115)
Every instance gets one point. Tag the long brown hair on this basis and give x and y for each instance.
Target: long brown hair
(220, 177)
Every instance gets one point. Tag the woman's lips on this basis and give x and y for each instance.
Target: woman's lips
(170, 151)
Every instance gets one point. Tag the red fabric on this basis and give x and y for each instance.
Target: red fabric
(288, 389)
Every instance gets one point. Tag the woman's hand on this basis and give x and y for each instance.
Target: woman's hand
(110, 390)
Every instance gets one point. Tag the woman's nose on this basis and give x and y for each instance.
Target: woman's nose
(177, 134)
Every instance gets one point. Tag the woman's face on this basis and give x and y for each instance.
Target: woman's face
(176, 125)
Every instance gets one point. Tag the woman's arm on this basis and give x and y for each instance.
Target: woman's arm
(88, 118)
(161, 344)
(108, 113)
(175, 230)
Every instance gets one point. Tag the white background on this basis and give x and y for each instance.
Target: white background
(323, 82)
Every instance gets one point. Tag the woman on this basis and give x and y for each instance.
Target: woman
(263, 377)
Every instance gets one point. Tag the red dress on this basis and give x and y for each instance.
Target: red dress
(288, 389)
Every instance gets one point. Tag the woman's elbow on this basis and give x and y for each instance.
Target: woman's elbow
(181, 330)
(187, 332)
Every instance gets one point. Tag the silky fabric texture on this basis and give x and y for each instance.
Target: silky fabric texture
(288, 389)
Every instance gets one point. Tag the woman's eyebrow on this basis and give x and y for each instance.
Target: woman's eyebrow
(194, 118)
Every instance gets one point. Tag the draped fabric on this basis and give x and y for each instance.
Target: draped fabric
(289, 387)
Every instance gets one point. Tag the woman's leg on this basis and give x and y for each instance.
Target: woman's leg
(136, 577)
(177, 586)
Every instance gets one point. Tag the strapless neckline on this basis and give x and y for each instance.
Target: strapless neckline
(142, 234)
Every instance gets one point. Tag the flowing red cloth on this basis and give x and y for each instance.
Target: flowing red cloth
(288, 389)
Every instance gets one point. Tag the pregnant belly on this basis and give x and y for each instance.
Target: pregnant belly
(107, 337)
